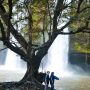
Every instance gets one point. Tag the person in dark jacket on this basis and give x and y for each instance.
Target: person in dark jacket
(47, 79)
(52, 80)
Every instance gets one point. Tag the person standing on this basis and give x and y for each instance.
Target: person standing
(47, 79)
(52, 80)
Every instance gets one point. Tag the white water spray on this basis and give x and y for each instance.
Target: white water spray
(13, 63)
(57, 57)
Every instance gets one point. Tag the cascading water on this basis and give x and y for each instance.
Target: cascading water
(57, 57)
(13, 68)
(13, 62)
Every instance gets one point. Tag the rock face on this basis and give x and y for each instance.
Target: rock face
(80, 59)
(77, 57)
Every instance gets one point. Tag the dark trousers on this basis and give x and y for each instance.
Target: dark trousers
(52, 87)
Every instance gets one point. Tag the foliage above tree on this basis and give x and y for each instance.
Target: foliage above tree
(81, 40)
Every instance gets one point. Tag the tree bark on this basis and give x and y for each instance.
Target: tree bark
(36, 59)
(28, 74)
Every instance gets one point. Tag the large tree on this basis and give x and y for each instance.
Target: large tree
(30, 22)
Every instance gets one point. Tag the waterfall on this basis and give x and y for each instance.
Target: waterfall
(13, 62)
(57, 57)
(13, 68)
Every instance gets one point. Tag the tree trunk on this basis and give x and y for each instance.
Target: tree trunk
(36, 59)
(32, 68)
(28, 74)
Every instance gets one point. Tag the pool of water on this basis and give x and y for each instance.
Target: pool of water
(73, 83)
(7, 76)
(79, 82)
